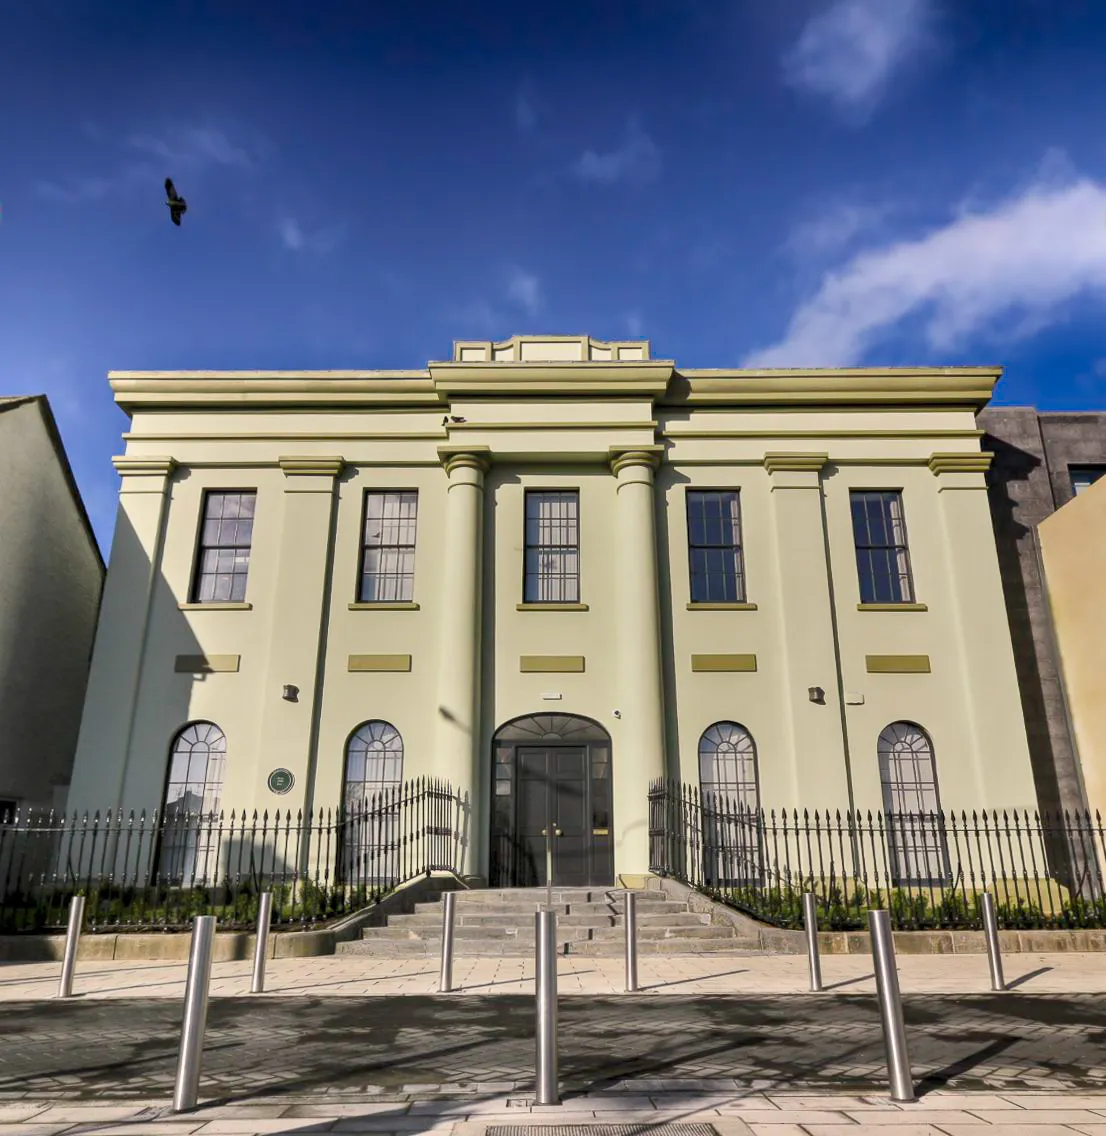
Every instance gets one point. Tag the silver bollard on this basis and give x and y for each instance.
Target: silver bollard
(810, 923)
(72, 941)
(187, 1090)
(890, 1007)
(990, 929)
(545, 935)
(631, 941)
(445, 981)
(261, 948)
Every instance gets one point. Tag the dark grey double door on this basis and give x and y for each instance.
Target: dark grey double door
(560, 802)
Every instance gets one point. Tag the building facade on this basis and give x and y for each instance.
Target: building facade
(1041, 462)
(1073, 559)
(51, 576)
(551, 571)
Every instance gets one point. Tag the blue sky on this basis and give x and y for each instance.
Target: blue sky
(816, 182)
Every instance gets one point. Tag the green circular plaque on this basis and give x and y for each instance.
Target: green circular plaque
(281, 780)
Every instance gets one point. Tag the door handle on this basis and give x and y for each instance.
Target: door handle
(556, 832)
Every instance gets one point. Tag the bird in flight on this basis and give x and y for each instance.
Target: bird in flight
(177, 204)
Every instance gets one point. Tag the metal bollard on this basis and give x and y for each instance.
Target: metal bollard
(445, 981)
(810, 923)
(545, 935)
(890, 1007)
(187, 1090)
(72, 941)
(631, 941)
(994, 954)
(261, 948)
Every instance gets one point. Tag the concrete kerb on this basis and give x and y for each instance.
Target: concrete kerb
(230, 946)
(779, 941)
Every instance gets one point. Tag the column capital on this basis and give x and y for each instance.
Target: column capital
(470, 457)
(960, 463)
(144, 467)
(649, 456)
(795, 463)
(312, 467)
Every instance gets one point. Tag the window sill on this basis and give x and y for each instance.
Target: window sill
(892, 607)
(721, 607)
(215, 607)
(551, 607)
(386, 606)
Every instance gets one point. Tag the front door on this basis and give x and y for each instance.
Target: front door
(553, 805)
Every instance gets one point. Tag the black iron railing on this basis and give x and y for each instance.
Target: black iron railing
(155, 871)
(927, 869)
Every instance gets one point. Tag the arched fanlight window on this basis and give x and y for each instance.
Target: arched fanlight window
(912, 805)
(189, 839)
(728, 764)
(374, 761)
(729, 824)
(197, 764)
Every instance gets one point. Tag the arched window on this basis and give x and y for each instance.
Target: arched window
(728, 764)
(730, 801)
(190, 824)
(371, 829)
(912, 804)
(374, 761)
(196, 767)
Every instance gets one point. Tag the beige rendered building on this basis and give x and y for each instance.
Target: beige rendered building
(51, 575)
(552, 570)
(1073, 555)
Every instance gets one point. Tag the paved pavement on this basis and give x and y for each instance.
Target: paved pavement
(712, 1043)
(732, 973)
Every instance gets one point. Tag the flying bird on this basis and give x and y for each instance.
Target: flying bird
(177, 205)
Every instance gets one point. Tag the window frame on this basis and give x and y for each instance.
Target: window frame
(200, 547)
(364, 547)
(533, 492)
(911, 594)
(741, 578)
(1074, 470)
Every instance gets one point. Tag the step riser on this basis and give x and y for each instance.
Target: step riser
(464, 919)
(590, 949)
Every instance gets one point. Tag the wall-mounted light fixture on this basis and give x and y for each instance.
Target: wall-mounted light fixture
(291, 693)
(816, 694)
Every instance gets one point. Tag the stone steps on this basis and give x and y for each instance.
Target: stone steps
(590, 921)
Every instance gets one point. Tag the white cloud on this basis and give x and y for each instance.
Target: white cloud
(524, 290)
(638, 158)
(834, 229)
(1021, 260)
(185, 152)
(849, 51)
(294, 237)
(634, 325)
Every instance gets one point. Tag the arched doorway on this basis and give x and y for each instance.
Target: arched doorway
(551, 773)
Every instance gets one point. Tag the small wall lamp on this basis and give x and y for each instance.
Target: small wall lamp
(291, 693)
(816, 694)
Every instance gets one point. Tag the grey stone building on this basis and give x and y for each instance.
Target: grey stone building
(51, 577)
(1041, 460)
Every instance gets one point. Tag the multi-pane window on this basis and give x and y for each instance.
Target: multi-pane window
(912, 805)
(223, 562)
(1084, 476)
(882, 557)
(552, 573)
(730, 799)
(388, 547)
(371, 828)
(193, 793)
(714, 546)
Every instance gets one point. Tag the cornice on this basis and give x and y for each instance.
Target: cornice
(960, 463)
(795, 463)
(144, 467)
(311, 467)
